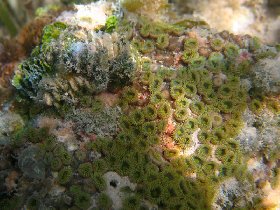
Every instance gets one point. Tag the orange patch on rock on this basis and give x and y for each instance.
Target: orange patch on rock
(10, 181)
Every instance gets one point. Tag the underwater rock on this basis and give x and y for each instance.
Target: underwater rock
(260, 132)
(71, 61)
(104, 123)
(230, 195)
(9, 123)
(30, 163)
(115, 183)
(267, 75)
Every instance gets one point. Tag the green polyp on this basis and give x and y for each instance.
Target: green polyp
(162, 41)
(166, 74)
(149, 128)
(179, 132)
(145, 30)
(136, 44)
(146, 77)
(190, 124)
(80, 155)
(177, 31)
(216, 44)
(154, 191)
(217, 137)
(256, 106)
(197, 63)
(181, 74)
(99, 166)
(190, 90)
(217, 119)
(125, 28)
(156, 32)
(273, 106)
(197, 107)
(137, 117)
(210, 98)
(215, 62)
(156, 98)
(85, 170)
(233, 81)
(11, 203)
(147, 47)
(204, 150)
(185, 142)
(98, 182)
(193, 76)
(176, 83)
(226, 105)
(243, 68)
(164, 110)
(225, 171)
(125, 137)
(177, 92)
(191, 44)
(254, 44)
(203, 136)
(155, 84)
(56, 164)
(130, 94)
(132, 202)
(182, 102)
(146, 65)
(170, 153)
(65, 175)
(205, 121)
(161, 126)
(150, 112)
(209, 167)
(180, 114)
(197, 161)
(132, 5)
(225, 91)
(125, 122)
(81, 199)
(265, 54)
(33, 202)
(233, 145)
(221, 153)
(233, 127)
(231, 51)
(189, 55)
(205, 87)
(173, 125)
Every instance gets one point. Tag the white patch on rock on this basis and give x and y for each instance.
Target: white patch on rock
(89, 16)
(9, 122)
(267, 75)
(61, 129)
(231, 191)
(114, 184)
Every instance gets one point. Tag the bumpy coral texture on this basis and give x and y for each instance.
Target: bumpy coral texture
(70, 61)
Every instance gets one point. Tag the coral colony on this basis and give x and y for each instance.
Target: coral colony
(122, 111)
